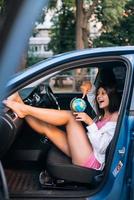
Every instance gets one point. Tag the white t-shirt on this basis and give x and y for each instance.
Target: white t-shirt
(100, 139)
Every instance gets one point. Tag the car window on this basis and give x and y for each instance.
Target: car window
(71, 80)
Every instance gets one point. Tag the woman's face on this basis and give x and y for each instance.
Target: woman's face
(102, 98)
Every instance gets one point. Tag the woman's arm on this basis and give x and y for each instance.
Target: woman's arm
(88, 89)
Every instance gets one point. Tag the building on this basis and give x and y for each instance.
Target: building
(38, 44)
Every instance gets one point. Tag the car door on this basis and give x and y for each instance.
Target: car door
(120, 176)
(27, 148)
(130, 164)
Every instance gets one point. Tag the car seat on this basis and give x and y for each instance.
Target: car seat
(60, 166)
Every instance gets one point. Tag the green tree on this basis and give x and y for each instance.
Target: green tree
(81, 10)
(32, 60)
(3, 5)
(122, 33)
(63, 29)
(84, 11)
(3, 11)
(108, 12)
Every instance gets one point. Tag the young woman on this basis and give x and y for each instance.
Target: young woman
(87, 150)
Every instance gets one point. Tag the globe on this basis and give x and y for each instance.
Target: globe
(78, 105)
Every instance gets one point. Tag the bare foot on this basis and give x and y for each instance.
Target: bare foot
(18, 108)
(15, 97)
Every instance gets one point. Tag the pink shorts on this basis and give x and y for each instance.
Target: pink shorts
(92, 162)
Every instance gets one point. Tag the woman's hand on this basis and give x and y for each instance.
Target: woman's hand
(86, 87)
(81, 116)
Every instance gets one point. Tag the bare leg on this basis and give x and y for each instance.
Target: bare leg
(60, 138)
(57, 136)
(78, 143)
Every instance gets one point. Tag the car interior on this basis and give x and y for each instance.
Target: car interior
(33, 166)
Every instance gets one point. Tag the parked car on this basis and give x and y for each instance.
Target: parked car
(33, 167)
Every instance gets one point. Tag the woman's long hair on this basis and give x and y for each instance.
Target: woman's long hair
(114, 100)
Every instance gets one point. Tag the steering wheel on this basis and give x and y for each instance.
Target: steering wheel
(52, 97)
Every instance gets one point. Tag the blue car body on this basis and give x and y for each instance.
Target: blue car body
(119, 181)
